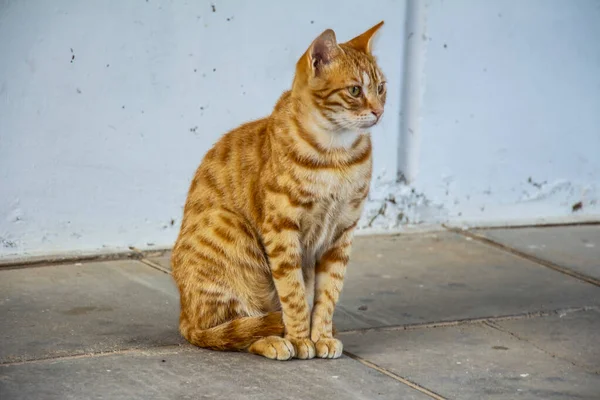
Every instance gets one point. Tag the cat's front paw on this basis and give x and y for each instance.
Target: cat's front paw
(273, 347)
(305, 348)
(329, 348)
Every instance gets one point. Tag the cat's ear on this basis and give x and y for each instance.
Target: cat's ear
(323, 49)
(363, 41)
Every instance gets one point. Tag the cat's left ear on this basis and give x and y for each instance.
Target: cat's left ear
(363, 41)
(322, 50)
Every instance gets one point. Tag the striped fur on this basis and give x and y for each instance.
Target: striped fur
(268, 222)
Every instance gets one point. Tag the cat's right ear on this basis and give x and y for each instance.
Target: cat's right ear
(322, 50)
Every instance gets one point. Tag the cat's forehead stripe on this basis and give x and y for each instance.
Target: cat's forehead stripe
(375, 73)
(366, 79)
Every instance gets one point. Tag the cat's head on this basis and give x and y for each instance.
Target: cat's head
(342, 83)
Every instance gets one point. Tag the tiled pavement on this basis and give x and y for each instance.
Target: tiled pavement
(483, 314)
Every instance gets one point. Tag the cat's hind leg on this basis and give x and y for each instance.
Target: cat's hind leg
(227, 295)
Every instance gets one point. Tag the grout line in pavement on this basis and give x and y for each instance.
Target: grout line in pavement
(72, 258)
(149, 263)
(542, 225)
(155, 265)
(66, 260)
(392, 375)
(470, 321)
(499, 328)
(529, 257)
(474, 321)
(89, 355)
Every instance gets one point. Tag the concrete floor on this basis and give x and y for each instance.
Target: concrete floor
(483, 314)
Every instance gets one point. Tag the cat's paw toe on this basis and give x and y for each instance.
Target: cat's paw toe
(273, 347)
(329, 348)
(305, 348)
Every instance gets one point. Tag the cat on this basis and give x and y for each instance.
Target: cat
(268, 223)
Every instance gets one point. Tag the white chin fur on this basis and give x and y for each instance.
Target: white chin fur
(331, 137)
(368, 124)
(344, 138)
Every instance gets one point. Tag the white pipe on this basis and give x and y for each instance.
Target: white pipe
(412, 84)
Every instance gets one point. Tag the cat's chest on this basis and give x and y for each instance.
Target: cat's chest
(334, 195)
(320, 225)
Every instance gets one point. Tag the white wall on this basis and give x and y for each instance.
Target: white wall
(511, 111)
(507, 124)
(98, 150)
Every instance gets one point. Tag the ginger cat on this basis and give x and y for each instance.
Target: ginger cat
(270, 214)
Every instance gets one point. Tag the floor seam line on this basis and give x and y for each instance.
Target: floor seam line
(142, 258)
(154, 265)
(473, 321)
(396, 377)
(526, 256)
(494, 326)
(89, 355)
(540, 225)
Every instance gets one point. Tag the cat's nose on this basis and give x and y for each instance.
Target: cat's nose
(377, 112)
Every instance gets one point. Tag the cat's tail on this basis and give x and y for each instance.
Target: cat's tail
(237, 334)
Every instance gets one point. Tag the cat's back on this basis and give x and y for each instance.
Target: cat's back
(238, 144)
(230, 170)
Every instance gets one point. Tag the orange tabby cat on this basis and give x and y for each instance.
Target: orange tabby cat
(270, 214)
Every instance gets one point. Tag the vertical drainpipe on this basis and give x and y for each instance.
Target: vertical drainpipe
(412, 85)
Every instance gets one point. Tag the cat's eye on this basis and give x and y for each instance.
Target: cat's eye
(381, 88)
(355, 91)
